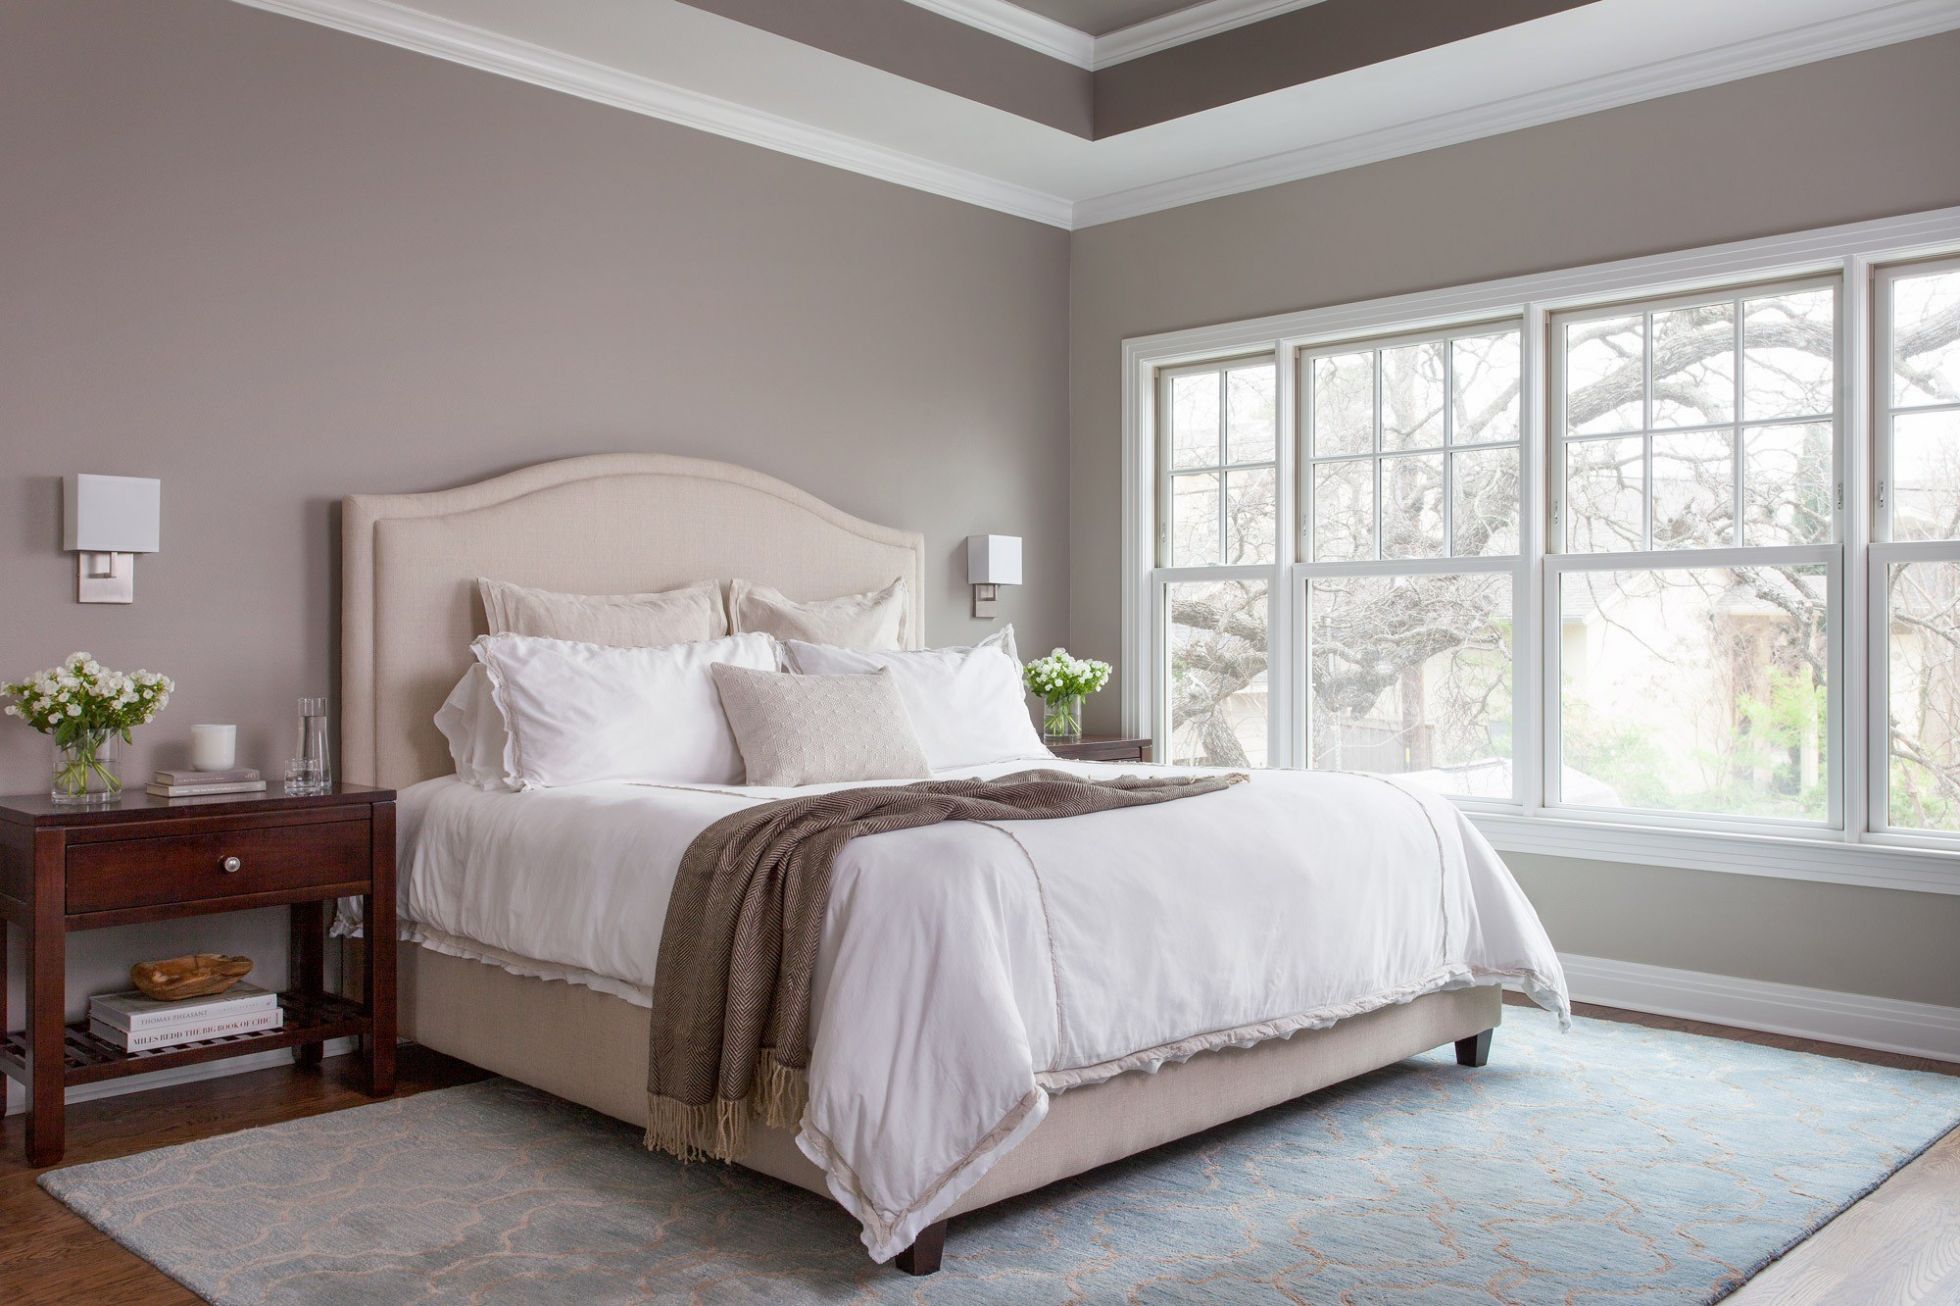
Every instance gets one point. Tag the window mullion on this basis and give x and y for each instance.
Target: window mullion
(1860, 781)
(1449, 447)
(1381, 506)
(1737, 532)
(1224, 443)
(1532, 671)
(1647, 430)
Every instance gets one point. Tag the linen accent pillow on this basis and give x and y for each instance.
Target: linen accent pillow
(579, 713)
(872, 620)
(676, 616)
(966, 704)
(797, 730)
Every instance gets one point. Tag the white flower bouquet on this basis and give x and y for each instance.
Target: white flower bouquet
(1063, 682)
(86, 707)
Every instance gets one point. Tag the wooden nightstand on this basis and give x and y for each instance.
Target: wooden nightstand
(151, 859)
(1103, 748)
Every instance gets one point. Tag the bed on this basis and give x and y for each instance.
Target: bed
(575, 1023)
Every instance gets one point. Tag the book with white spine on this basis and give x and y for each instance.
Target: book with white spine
(134, 1012)
(251, 1023)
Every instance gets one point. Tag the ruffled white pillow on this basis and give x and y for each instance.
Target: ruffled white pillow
(578, 713)
(967, 705)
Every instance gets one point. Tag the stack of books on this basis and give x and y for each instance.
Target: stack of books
(197, 784)
(134, 1023)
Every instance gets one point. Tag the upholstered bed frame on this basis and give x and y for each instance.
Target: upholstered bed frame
(614, 523)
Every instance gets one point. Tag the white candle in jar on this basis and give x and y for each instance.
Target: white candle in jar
(214, 748)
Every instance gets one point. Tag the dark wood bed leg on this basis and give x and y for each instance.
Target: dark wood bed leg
(922, 1257)
(1475, 1050)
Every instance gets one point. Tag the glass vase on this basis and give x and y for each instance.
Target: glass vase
(85, 771)
(1061, 719)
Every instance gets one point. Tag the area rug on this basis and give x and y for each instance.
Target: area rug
(1612, 1163)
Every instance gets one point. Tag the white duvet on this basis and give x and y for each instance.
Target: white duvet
(970, 971)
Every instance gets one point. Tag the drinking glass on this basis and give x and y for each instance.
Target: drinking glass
(310, 771)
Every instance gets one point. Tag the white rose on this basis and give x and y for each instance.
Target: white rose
(73, 710)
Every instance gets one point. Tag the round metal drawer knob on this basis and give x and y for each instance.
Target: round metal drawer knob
(231, 865)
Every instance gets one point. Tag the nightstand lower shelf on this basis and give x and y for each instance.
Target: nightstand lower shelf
(86, 1059)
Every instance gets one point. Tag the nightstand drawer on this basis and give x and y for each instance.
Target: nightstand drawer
(126, 873)
(1103, 748)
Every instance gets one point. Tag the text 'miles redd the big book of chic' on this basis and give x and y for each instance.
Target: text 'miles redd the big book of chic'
(134, 1023)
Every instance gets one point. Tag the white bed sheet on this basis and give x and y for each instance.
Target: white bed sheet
(1038, 955)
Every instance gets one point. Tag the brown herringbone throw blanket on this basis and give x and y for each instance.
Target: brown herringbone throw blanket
(731, 988)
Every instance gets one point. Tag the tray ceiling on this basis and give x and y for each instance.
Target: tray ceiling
(682, 63)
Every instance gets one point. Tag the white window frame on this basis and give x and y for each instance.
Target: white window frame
(1309, 569)
(1647, 558)
(1885, 551)
(1278, 702)
(1853, 853)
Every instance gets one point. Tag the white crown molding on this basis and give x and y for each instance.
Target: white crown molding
(1882, 26)
(397, 24)
(1010, 22)
(1920, 1029)
(1024, 27)
(411, 29)
(1184, 26)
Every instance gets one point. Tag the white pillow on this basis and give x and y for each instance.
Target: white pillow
(799, 730)
(673, 616)
(967, 704)
(584, 712)
(474, 726)
(872, 620)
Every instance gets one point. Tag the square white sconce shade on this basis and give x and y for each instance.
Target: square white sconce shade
(106, 522)
(991, 561)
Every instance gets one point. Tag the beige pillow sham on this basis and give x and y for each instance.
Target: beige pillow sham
(678, 616)
(873, 620)
(798, 730)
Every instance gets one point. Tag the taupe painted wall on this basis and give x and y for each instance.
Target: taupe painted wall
(273, 264)
(1864, 136)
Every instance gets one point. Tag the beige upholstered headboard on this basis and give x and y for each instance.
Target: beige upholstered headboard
(610, 523)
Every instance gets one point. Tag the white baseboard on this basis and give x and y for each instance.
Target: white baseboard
(1920, 1029)
(17, 1096)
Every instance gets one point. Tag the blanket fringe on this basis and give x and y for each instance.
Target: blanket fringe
(719, 1130)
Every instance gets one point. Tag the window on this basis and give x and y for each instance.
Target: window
(1916, 563)
(1220, 509)
(1693, 479)
(1223, 466)
(1413, 468)
(1636, 561)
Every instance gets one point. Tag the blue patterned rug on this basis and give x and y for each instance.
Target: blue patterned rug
(1615, 1162)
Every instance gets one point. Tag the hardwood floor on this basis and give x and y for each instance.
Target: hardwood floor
(1899, 1245)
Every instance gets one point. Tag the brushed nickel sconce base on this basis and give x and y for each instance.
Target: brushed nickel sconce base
(105, 578)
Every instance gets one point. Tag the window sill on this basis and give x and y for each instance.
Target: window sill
(1830, 859)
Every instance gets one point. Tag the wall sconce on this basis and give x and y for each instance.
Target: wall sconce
(991, 562)
(106, 522)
